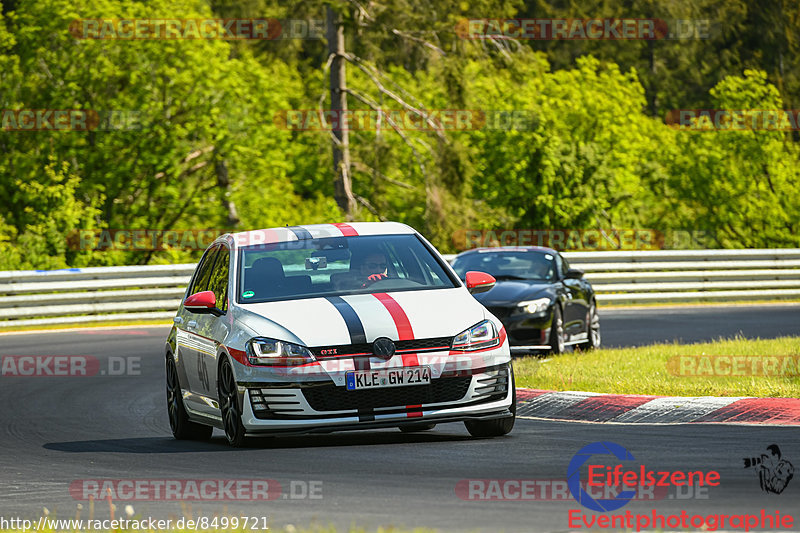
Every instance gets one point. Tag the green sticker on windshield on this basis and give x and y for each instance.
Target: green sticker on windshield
(248, 294)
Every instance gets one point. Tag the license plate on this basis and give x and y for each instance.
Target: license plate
(388, 377)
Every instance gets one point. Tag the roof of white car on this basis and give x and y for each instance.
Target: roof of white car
(316, 231)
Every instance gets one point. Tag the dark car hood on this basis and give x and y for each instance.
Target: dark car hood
(509, 292)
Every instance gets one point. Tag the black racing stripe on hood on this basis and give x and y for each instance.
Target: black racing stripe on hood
(354, 325)
(357, 336)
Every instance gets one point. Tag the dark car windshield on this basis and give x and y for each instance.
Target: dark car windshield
(338, 266)
(509, 265)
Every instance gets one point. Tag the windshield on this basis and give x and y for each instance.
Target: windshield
(338, 266)
(509, 265)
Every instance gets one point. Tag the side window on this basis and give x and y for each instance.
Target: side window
(564, 264)
(218, 283)
(561, 267)
(200, 281)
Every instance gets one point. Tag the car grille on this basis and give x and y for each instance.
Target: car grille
(333, 398)
(267, 403)
(437, 343)
(492, 386)
(283, 403)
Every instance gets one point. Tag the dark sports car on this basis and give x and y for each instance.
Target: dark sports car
(543, 303)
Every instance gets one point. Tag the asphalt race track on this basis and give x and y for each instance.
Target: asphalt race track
(57, 431)
(687, 325)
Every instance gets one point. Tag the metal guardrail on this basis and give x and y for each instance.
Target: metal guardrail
(691, 275)
(74, 296)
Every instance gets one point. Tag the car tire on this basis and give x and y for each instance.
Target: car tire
(556, 343)
(413, 428)
(499, 426)
(592, 328)
(229, 405)
(182, 428)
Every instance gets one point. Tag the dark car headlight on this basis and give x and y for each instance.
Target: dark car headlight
(478, 337)
(265, 351)
(534, 307)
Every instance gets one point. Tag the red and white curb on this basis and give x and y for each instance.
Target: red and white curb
(635, 409)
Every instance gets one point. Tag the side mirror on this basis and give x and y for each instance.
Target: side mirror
(202, 303)
(478, 282)
(574, 273)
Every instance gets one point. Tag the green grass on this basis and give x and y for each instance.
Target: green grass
(97, 324)
(644, 370)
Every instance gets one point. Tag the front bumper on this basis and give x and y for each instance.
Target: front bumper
(323, 406)
(525, 332)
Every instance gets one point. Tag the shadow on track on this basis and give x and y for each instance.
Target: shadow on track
(219, 444)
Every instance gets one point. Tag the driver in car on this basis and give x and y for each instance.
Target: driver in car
(373, 268)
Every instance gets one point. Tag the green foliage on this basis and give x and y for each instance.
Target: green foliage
(740, 187)
(581, 144)
(49, 214)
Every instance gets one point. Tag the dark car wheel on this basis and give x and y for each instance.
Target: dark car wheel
(557, 332)
(592, 328)
(182, 428)
(413, 428)
(229, 406)
(499, 426)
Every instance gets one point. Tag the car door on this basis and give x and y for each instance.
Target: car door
(216, 328)
(571, 302)
(194, 343)
(577, 304)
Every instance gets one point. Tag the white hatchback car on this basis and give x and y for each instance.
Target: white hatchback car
(334, 327)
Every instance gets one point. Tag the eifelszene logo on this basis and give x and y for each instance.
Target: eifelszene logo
(574, 476)
(774, 472)
(599, 475)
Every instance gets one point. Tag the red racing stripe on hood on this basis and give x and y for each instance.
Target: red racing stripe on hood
(404, 331)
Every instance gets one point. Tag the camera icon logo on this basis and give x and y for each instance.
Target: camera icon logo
(774, 472)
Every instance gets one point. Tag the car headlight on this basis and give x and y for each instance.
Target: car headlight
(478, 337)
(533, 307)
(264, 351)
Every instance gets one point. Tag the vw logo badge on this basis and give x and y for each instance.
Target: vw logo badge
(383, 348)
